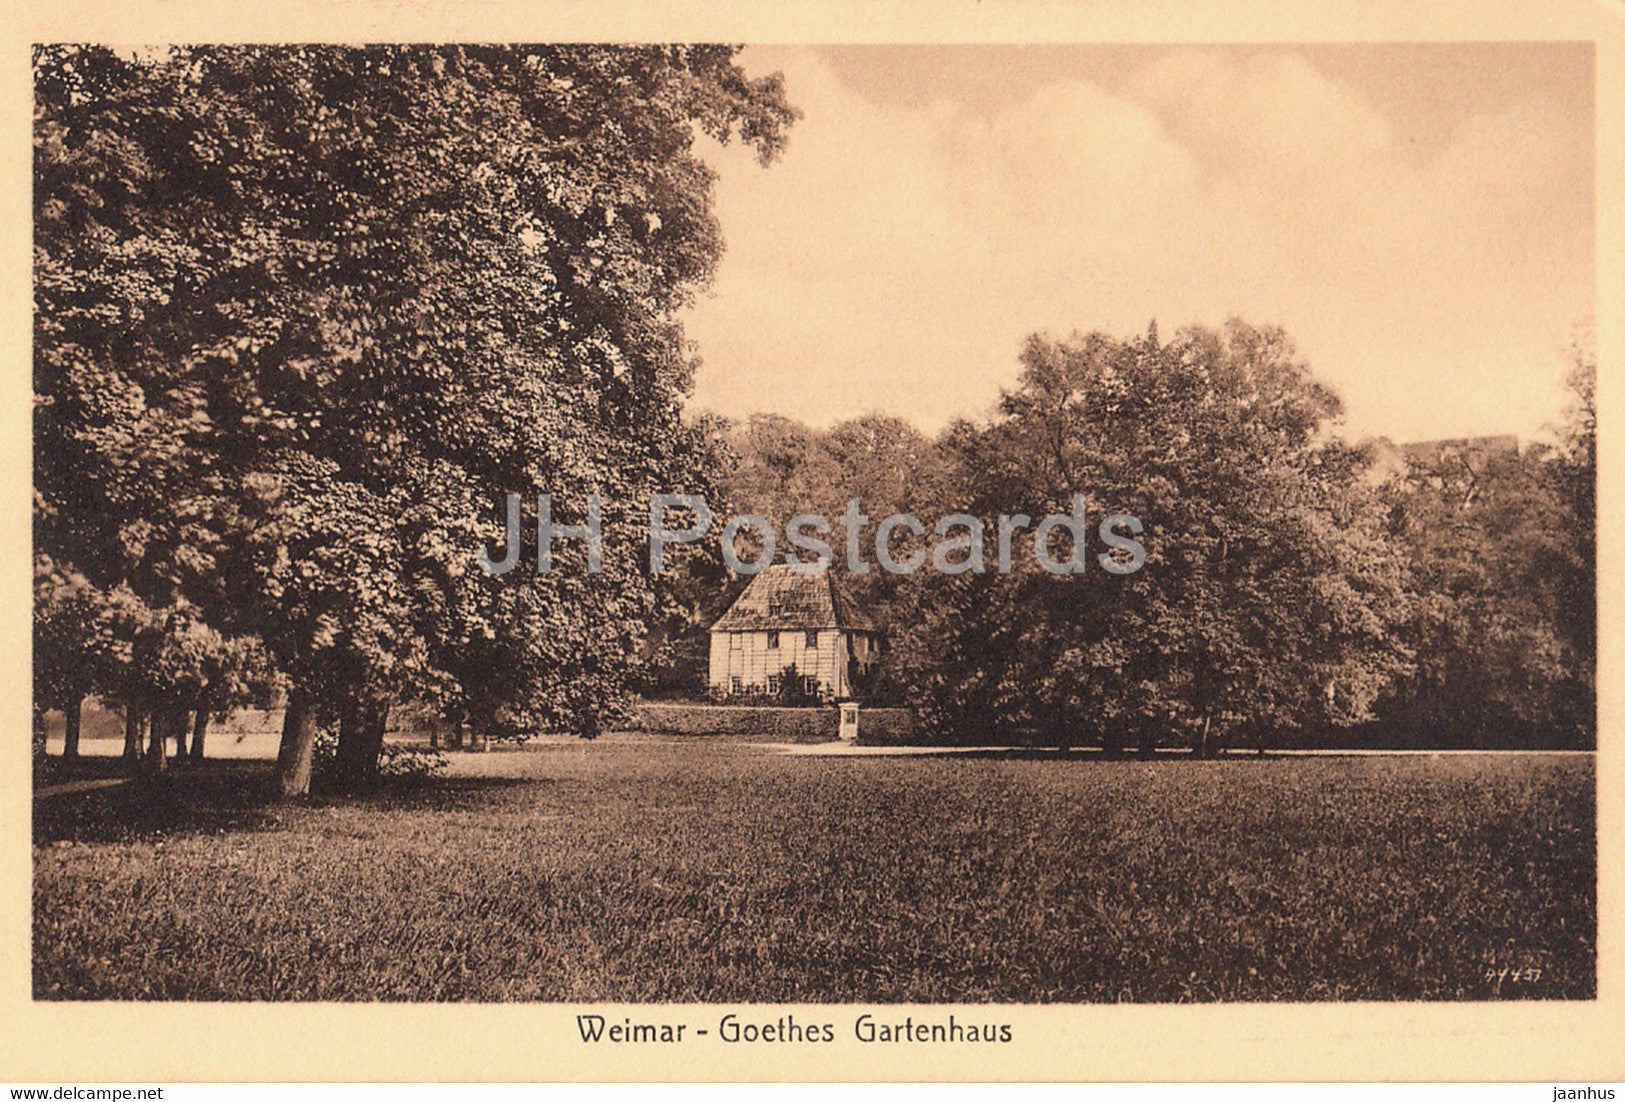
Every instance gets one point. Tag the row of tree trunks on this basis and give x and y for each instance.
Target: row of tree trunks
(135, 728)
(361, 741)
(462, 737)
(167, 724)
(144, 734)
(1205, 745)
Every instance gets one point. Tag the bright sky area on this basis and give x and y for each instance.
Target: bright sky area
(1418, 217)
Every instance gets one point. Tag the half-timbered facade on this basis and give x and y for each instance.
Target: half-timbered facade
(791, 624)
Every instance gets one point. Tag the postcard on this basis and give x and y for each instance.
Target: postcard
(953, 542)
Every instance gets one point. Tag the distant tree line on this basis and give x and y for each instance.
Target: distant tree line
(1502, 580)
(1298, 589)
(302, 315)
(774, 467)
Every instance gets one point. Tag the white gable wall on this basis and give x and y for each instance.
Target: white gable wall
(746, 655)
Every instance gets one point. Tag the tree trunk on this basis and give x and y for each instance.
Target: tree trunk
(298, 741)
(1199, 738)
(1111, 741)
(162, 727)
(179, 732)
(200, 727)
(377, 727)
(134, 727)
(72, 715)
(1062, 731)
(361, 740)
(347, 757)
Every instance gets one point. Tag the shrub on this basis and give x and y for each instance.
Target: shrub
(771, 723)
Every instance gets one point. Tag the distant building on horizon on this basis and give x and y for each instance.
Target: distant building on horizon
(790, 623)
(1468, 449)
(1458, 452)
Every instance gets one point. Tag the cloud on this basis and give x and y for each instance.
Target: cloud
(900, 252)
(1270, 114)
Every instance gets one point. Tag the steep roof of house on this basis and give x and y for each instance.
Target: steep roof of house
(781, 598)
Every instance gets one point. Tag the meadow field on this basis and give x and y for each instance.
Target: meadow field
(641, 869)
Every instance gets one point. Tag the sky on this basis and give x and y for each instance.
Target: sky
(1419, 218)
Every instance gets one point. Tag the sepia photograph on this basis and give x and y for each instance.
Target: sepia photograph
(814, 544)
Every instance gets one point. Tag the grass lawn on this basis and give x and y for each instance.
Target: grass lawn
(714, 871)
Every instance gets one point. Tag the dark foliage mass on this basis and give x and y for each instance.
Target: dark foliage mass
(1297, 589)
(1503, 576)
(650, 873)
(303, 314)
(1267, 589)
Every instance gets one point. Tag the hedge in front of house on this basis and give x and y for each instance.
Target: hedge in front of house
(887, 727)
(876, 726)
(771, 724)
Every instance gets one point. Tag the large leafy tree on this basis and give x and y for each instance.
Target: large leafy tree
(130, 498)
(360, 294)
(75, 646)
(1503, 621)
(1267, 593)
(776, 468)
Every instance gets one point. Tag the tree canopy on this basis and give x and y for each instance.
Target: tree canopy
(1267, 589)
(304, 314)
(1502, 552)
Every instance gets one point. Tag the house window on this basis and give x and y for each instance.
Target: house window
(772, 684)
(737, 685)
(812, 640)
(772, 640)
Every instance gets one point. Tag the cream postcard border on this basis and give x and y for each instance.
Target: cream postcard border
(161, 1042)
